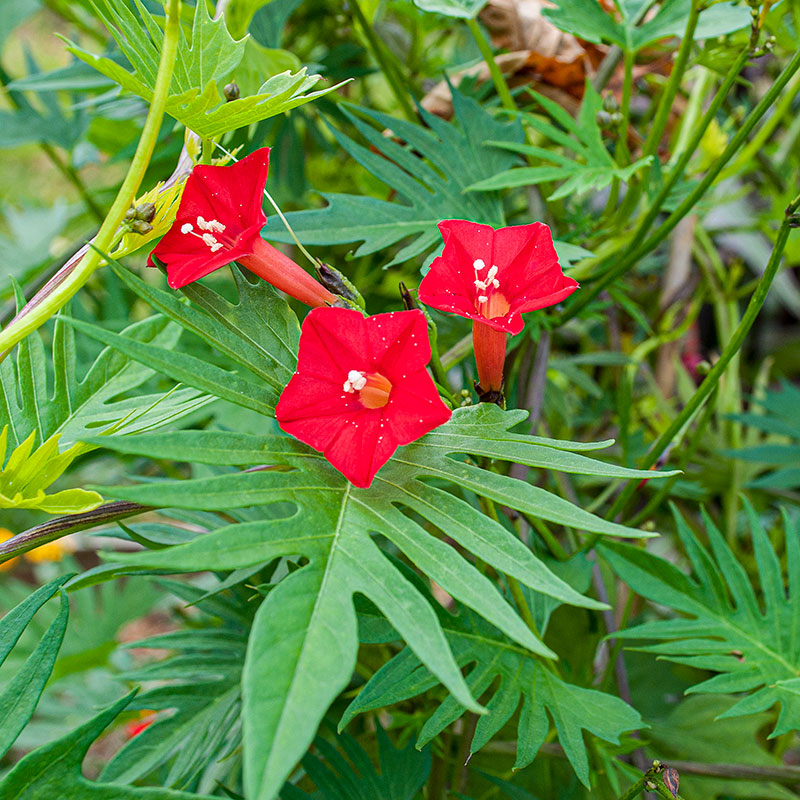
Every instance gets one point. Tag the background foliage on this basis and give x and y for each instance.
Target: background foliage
(527, 603)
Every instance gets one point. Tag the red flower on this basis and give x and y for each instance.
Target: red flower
(219, 221)
(361, 388)
(493, 277)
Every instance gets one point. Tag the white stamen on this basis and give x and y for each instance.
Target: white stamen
(187, 227)
(492, 272)
(355, 381)
(478, 264)
(496, 283)
(212, 225)
(211, 241)
(482, 298)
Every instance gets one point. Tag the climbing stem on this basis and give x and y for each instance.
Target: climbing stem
(384, 59)
(730, 350)
(674, 82)
(498, 79)
(25, 324)
(635, 254)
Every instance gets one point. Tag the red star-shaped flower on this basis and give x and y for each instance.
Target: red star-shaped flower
(219, 221)
(361, 388)
(493, 277)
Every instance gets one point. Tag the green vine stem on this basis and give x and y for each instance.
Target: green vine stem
(729, 351)
(498, 79)
(384, 61)
(636, 253)
(92, 259)
(675, 78)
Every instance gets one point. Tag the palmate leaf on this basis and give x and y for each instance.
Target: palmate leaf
(589, 21)
(350, 775)
(195, 99)
(197, 697)
(54, 770)
(258, 334)
(72, 408)
(48, 124)
(779, 456)
(490, 657)
(595, 170)
(303, 645)
(725, 631)
(429, 172)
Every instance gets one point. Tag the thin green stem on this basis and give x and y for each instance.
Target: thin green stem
(498, 79)
(686, 454)
(93, 259)
(729, 351)
(625, 108)
(756, 145)
(674, 82)
(636, 253)
(384, 61)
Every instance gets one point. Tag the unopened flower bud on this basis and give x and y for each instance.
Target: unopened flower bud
(409, 303)
(603, 119)
(130, 215)
(231, 91)
(145, 212)
(140, 226)
(610, 102)
(334, 281)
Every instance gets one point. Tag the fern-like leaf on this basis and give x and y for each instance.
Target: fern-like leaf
(752, 648)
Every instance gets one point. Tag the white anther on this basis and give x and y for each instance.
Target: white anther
(478, 264)
(496, 283)
(211, 225)
(480, 285)
(211, 241)
(187, 227)
(355, 381)
(492, 272)
(482, 298)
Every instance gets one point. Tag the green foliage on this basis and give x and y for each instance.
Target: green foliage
(54, 770)
(582, 136)
(591, 22)
(697, 730)
(195, 99)
(26, 475)
(21, 694)
(492, 657)
(451, 157)
(33, 401)
(26, 248)
(726, 632)
(775, 415)
(460, 9)
(259, 334)
(197, 698)
(50, 124)
(348, 773)
(306, 627)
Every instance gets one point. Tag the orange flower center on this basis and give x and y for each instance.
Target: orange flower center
(373, 388)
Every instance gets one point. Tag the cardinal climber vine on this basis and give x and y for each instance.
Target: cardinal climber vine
(396, 400)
